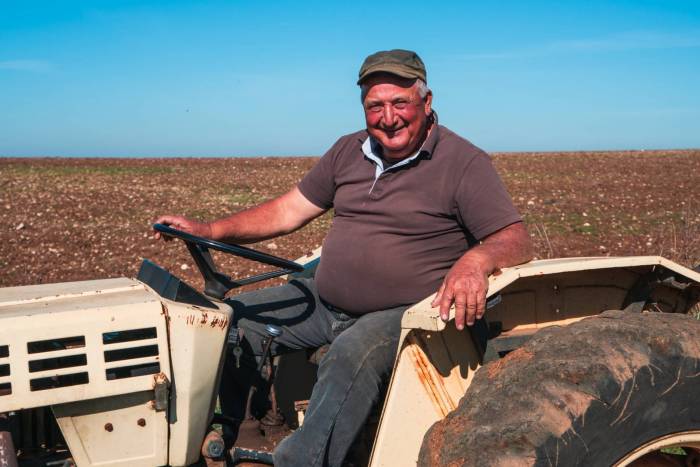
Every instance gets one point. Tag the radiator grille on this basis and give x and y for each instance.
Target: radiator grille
(56, 363)
(139, 359)
(5, 387)
(66, 342)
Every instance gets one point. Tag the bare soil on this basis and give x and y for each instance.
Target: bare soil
(75, 219)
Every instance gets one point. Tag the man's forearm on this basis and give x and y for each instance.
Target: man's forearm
(252, 225)
(507, 247)
(278, 216)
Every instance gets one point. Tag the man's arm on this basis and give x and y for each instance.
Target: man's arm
(466, 284)
(278, 216)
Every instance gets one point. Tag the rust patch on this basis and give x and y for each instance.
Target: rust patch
(219, 322)
(159, 378)
(520, 355)
(204, 318)
(190, 319)
(431, 383)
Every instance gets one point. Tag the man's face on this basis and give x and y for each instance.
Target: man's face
(396, 115)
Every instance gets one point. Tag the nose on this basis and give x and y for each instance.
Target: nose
(388, 115)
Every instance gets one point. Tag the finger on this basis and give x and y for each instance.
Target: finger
(171, 221)
(480, 304)
(438, 296)
(166, 220)
(460, 309)
(446, 303)
(471, 308)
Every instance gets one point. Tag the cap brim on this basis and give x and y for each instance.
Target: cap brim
(384, 68)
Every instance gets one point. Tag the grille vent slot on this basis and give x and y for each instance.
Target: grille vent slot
(143, 353)
(129, 335)
(56, 363)
(133, 370)
(4, 351)
(5, 389)
(131, 353)
(60, 381)
(5, 369)
(51, 345)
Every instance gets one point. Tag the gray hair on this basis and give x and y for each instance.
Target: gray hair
(422, 88)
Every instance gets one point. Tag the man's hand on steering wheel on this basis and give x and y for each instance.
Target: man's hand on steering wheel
(199, 229)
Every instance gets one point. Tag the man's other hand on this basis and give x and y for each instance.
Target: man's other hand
(467, 282)
(199, 229)
(465, 285)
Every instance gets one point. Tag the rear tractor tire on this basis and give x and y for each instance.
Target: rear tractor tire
(620, 388)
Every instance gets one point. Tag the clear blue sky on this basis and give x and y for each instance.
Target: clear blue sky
(127, 78)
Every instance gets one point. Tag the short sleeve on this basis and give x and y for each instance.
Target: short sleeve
(318, 185)
(483, 203)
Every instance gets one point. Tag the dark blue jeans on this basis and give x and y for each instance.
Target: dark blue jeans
(351, 376)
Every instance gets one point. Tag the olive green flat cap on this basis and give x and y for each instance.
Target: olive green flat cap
(403, 63)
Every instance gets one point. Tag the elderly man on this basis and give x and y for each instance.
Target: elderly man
(417, 209)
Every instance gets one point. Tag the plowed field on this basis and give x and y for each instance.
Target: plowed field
(75, 219)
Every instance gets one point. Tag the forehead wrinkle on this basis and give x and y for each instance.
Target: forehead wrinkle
(390, 95)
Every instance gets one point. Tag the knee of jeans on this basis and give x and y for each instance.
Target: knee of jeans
(283, 454)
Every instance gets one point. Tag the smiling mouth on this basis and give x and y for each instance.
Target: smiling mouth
(392, 132)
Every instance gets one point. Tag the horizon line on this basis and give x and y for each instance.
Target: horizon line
(548, 151)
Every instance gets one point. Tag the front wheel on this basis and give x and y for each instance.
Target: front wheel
(620, 388)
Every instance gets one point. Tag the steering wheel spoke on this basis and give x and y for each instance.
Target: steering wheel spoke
(216, 284)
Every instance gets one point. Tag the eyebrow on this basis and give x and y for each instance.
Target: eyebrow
(371, 102)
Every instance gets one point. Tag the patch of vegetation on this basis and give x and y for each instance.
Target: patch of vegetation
(51, 171)
(676, 450)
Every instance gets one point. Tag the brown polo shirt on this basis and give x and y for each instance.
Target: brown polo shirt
(394, 238)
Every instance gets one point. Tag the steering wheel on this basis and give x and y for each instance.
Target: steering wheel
(216, 284)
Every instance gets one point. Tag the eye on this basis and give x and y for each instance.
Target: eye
(375, 108)
(400, 104)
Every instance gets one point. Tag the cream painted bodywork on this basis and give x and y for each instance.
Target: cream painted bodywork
(433, 369)
(436, 363)
(139, 435)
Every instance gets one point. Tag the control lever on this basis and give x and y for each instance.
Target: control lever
(272, 332)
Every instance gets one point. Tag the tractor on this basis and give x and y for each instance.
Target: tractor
(578, 361)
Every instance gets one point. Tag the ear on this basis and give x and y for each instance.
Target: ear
(428, 106)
